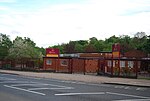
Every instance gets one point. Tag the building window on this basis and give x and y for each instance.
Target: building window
(49, 62)
(64, 63)
(139, 64)
(109, 63)
(114, 63)
(130, 64)
(122, 63)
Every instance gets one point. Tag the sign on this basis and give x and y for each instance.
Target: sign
(116, 47)
(116, 50)
(52, 52)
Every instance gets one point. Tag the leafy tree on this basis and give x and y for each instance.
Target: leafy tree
(109, 42)
(5, 44)
(90, 48)
(79, 47)
(70, 47)
(139, 40)
(125, 43)
(140, 35)
(23, 48)
(93, 40)
(82, 42)
(146, 46)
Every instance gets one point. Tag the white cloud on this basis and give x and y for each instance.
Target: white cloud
(3, 8)
(8, 1)
(60, 23)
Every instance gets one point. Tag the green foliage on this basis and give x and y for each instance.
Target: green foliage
(5, 44)
(140, 42)
(24, 48)
(146, 45)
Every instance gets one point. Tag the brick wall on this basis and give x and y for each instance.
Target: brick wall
(78, 65)
(91, 66)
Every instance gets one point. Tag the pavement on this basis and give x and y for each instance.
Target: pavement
(83, 78)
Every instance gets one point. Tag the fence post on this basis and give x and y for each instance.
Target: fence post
(136, 68)
(84, 66)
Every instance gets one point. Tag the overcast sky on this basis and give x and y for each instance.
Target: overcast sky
(52, 22)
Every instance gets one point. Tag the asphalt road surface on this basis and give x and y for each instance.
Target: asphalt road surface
(21, 88)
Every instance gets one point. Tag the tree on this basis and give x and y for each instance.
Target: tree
(93, 40)
(139, 40)
(140, 35)
(99, 45)
(125, 43)
(90, 48)
(70, 47)
(79, 48)
(5, 44)
(109, 42)
(23, 48)
(146, 46)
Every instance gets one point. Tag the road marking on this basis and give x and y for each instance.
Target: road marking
(119, 86)
(5, 78)
(4, 74)
(13, 81)
(35, 84)
(136, 96)
(24, 90)
(37, 78)
(28, 84)
(127, 87)
(134, 100)
(100, 85)
(141, 89)
(83, 83)
(49, 88)
(71, 94)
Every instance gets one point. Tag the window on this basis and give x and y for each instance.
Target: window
(122, 63)
(109, 63)
(139, 64)
(64, 63)
(130, 64)
(49, 62)
(114, 63)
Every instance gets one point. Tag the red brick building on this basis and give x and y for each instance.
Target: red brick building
(102, 63)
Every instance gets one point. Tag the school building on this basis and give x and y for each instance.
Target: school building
(130, 64)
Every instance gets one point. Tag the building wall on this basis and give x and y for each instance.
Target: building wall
(50, 64)
(64, 65)
(115, 67)
(91, 66)
(78, 65)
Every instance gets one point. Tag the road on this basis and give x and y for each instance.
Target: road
(22, 88)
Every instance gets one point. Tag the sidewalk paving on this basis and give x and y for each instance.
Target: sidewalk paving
(84, 78)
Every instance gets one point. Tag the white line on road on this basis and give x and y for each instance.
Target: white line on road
(134, 100)
(5, 78)
(127, 87)
(16, 82)
(35, 84)
(24, 90)
(70, 94)
(141, 89)
(119, 86)
(83, 83)
(28, 84)
(136, 96)
(49, 88)
(4, 74)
